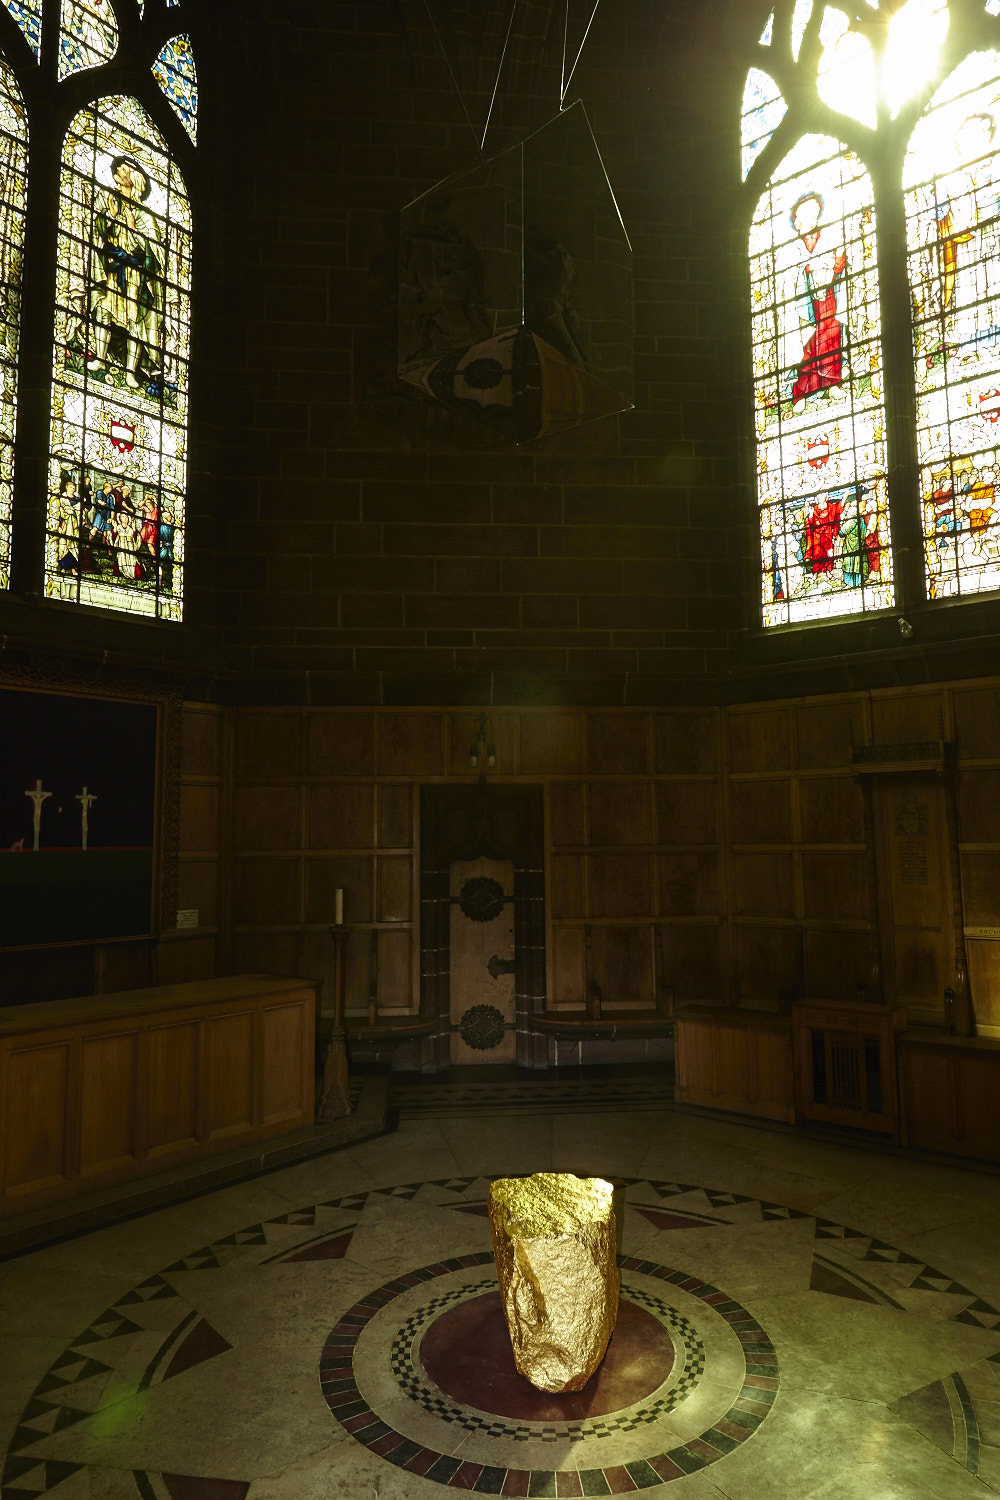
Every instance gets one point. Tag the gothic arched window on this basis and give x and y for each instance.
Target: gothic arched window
(871, 164)
(120, 260)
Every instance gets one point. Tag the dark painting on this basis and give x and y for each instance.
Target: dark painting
(77, 815)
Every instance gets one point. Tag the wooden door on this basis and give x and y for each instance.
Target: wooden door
(482, 960)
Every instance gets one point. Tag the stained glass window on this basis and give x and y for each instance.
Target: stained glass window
(763, 111)
(174, 71)
(846, 78)
(119, 403)
(800, 20)
(88, 35)
(28, 15)
(817, 366)
(13, 187)
(951, 179)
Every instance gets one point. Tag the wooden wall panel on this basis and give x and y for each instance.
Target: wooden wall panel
(395, 827)
(341, 816)
(568, 967)
(340, 744)
(686, 812)
(36, 1091)
(732, 1063)
(977, 721)
(767, 963)
(984, 975)
(551, 744)
(500, 732)
(324, 873)
(266, 892)
(266, 817)
(567, 887)
(760, 740)
(686, 743)
(395, 965)
(618, 744)
(762, 812)
(228, 1072)
(201, 741)
(620, 885)
(978, 1080)
(836, 962)
(172, 1087)
(108, 1081)
(621, 813)
(689, 884)
(179, 962)
(199, 817)
(567, 815)
(266, 952)
(979, 805)
(765, 885)
(395, 902)
(835, 886)
(410, 744)
(981, 889)
(622, 961)
(771, 1060)
(268, 743)
(826, 733)
(690, 961)
(284, 1041)
(198, 890)
(929, 1102)
(832, 810)
(906, 718)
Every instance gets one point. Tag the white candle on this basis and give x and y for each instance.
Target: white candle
(338, 906)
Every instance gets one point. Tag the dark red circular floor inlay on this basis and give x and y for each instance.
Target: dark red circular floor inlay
(467, 1353)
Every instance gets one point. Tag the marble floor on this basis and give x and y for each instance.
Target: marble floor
(804, 1321)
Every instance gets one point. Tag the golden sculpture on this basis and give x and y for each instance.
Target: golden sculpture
(554, 1245)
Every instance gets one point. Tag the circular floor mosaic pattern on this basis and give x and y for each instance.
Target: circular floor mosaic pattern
(697, 1376)
(654, 1297)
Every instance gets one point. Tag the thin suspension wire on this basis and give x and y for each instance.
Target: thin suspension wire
(567, 81)
(496, 85)
(447, 61)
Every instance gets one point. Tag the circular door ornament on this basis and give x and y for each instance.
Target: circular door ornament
(481, 898)
(482, 1028)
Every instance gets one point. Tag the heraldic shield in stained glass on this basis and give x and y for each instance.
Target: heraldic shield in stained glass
(951, 179)
(174, 71)
(817, 366)
(119, 404)
(28, 15)
(13, 183)
(88, 35)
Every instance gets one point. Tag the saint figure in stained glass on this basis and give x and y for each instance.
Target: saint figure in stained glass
(88, 35)
(951, 179)
(28, 15)
(126, 300)
(817, 372)
(820, 287)
(119, 413)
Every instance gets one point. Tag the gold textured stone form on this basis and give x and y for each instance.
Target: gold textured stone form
(554, 1245)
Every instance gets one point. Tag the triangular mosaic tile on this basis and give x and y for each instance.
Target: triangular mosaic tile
(453, 1184)
(29, 1477)
(70, 1369)
(351, 1201)
(154, 1289)
(199, 1260)
(41, 1419)
(109, 1325)
(671, 1189)
(771, 1211)
(304, 1218)
(253, 1235)
(408, 1191)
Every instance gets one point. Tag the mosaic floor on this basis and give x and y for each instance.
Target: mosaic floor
(798, 1320)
